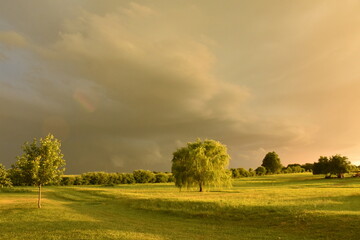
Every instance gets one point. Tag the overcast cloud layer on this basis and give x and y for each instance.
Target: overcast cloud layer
(124, 83)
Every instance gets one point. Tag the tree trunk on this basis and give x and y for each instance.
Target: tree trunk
(39, 198)
(201, 188)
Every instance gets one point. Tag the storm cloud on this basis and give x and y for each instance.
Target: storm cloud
(123, 84)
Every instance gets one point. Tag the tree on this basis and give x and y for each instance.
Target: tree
(308, 167)
(143, 176)
(334, 165)
(260, 171)
(161, 178)
(201, 163)
(272, 162)
(4, 177)
(322, 166)
(41, 163)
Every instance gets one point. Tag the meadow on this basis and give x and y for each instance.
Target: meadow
(287, 206)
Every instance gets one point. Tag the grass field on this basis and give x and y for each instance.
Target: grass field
(290, 206)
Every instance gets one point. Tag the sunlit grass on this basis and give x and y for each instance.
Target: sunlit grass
(291, 206)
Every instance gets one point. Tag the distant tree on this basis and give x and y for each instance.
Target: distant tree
(286, 170)
(353, 168)
(144, 176)
(239, 172)
(4, 177)
(260, 171)
(67, 180)
(252, 172)
(334, 165)
(128, 178)
(234, 173)
(293, 165)
(308, 167)
(272, 163)
(161, 178)
(339, 165)
(95, 178)
(201, 163)
(322, 166)
(41, 163)
(293, 168)
(243, 172)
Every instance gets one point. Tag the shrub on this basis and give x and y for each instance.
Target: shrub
(161, 178)
(67, 180)
(144, 176)
(260, 171)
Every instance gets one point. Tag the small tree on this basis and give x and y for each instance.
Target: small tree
(161, 178)
(201, 163)
(260, 171)
(308, 167)
(144, 176)
(4, 177)
(41, 163)
(272, 162)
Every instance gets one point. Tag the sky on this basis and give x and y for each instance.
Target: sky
(123, 84)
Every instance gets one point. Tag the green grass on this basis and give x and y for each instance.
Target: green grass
(291, 206)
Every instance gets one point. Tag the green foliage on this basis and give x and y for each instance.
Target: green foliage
(144, 176)
(322, 166)
(94, 178)
(293, 168)
(334, 165)
(67, 181)
(5, 180)
(272, 163)
(162, 178)
(103, 178)
(128, 178)
(252, 172)
(308, 167)
(201, 163)
(240, 172)
(41, 163)
(260, 171)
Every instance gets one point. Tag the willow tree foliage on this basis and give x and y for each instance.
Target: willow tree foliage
(41, 163)
(202, 164)
(4, 177)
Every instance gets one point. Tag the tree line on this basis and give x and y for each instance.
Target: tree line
(104, 178)
(336, 165)
(199, 164)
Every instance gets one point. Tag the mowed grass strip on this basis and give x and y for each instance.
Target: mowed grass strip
(291, 206)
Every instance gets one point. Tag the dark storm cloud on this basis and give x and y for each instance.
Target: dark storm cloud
(124, 84)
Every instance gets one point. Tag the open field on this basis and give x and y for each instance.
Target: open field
(291, 206)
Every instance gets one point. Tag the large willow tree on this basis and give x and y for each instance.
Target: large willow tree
(202, 164)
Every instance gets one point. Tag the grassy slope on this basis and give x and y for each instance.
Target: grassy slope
(294, 206)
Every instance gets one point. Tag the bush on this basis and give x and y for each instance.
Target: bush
(161, 178)
(240, 172)
(171, 178)
(67, 180)
(77, 180)
(144, 176)
(127, 178)
(260, 171)
(5, 180)
(94, 178)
